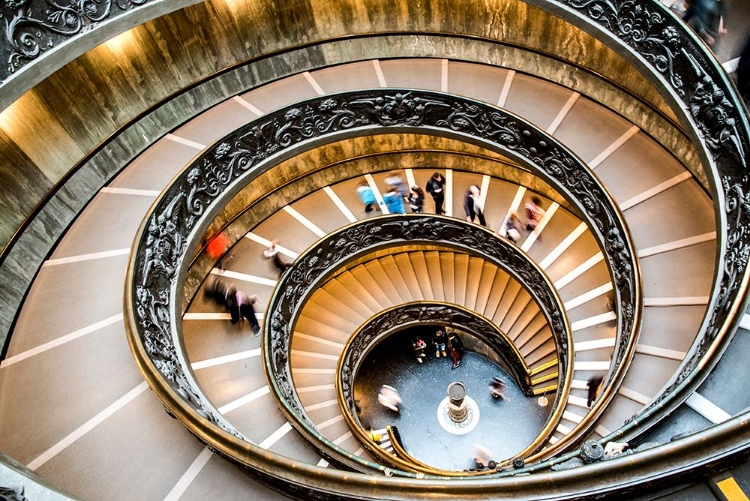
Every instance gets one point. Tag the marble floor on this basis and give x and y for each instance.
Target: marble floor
(504, 428)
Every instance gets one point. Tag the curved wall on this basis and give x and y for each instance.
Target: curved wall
(67, 136)
(52, 127)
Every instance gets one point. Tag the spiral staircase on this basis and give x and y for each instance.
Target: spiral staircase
(270, 417)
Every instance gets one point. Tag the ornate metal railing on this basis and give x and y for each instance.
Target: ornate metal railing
(420, 313)
(350, 243)
(397, 318)
(182, 212)
(34, 27)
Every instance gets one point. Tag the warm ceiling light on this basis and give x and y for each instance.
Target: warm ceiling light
(9, 116)
(121, 42)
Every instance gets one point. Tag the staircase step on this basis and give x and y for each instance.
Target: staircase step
(460, 278)
(496, 292)
(356, 298)
(396, 277)
(316, 397)
(307, 342)
(384, 281)
(406, 271)
(318, 328)
(447, 271)
(519, 305)
(541, 352)
(357, 290)
(506, 302)
(331, 319)
(473, 279)
(313, 376)
(531, 331)
(338, 311)
(527, 316)
(485, 287)
(419, 265)
(432, 259)
(363, 276)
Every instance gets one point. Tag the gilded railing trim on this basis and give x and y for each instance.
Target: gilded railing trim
(349, 243)
(406, 315)
(716, 119)
(181, 214)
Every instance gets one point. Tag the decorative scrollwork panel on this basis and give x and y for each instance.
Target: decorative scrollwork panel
(183, 210)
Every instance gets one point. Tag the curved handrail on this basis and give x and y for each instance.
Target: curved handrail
(403, 316)
(337, 249)
(180, 213)
(396, 318)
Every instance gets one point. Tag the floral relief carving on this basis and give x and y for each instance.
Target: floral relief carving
(33, 27)
(437, 314)
(670, 49)
(234, 159)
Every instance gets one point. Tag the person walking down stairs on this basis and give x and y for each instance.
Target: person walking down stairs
(367, 197)
(436, 188)
(473, 205)
(394, 201)
(272, 253)
(534, 213)
(513, 228)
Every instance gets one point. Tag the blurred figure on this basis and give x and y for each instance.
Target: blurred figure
(367, 197)
(230, 302)
(272, 253)
(246, 310)
(534, 213)
(513, 228)
(216, 247)
(395, 181)
(418, 345)
(237, 303)
(497, 389)
(436, 188)
(394, 201)
(416, 199)
(389, 398)
(483, 457)
(594, 385)
(473, 205)
(706, 18)
(216, 289)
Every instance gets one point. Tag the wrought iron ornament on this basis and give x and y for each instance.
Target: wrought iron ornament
(671, 51)
(334, 250)
(238, 158)
(33, 27)
(12, 494)
(422, 313)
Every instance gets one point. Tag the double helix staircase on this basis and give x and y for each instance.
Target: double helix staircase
(70, 373)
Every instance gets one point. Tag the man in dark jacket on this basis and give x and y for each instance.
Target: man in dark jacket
(436, 188)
